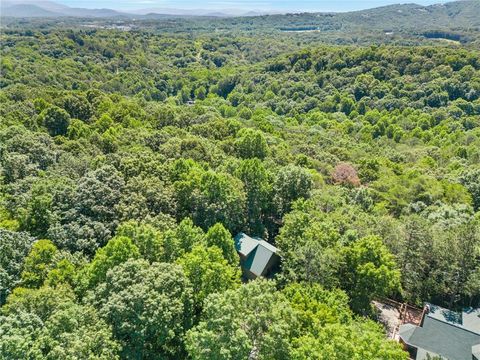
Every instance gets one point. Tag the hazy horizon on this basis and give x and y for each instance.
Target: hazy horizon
(244, 5)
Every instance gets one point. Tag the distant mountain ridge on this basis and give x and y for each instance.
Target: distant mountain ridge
(463, 13)
(452, 18)
(26, 10)
(457, 14)
(199, 12)
(45, 8)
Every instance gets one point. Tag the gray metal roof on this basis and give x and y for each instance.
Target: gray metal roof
(260, 259)
(245, 244)
(257, 252)
(268, 246)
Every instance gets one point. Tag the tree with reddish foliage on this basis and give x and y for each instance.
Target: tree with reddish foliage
(345, 174)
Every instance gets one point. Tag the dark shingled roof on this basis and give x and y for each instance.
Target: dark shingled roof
(452, 335)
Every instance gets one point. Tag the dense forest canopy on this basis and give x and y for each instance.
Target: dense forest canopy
(130, 158)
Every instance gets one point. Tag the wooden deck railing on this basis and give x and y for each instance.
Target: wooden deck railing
(408, 314)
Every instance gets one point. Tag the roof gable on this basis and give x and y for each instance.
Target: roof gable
(245, 244)
(258, 253)
(261, 258)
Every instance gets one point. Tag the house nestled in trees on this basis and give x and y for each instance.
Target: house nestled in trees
(257, 257)
(444, 334)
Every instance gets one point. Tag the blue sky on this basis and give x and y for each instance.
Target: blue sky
(271, 5)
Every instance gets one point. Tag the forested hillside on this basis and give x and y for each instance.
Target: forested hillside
(130, 159)
(456, 22)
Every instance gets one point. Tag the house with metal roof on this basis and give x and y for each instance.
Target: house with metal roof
(448, 334)
(257, 257)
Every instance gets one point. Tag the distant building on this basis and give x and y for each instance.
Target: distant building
(443, 333)
(257, 257)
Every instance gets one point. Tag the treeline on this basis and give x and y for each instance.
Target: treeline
(398, 24)
(128, 161)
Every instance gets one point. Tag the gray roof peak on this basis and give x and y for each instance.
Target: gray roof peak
(258, 255)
